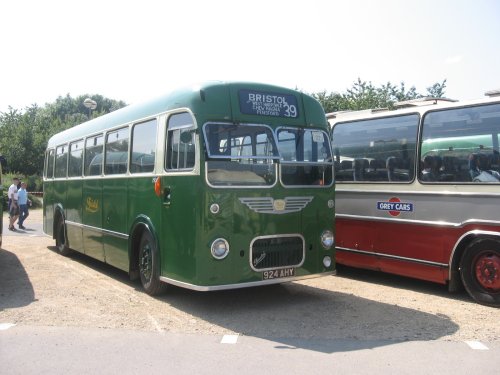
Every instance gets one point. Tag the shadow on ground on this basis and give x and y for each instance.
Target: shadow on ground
(298, 315)
(16, 289)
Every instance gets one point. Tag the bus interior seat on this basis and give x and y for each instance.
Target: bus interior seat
(448, 170)
(359, 169)
(396, 170)
(377, 172)
(344, 173)
(346, 165)
(463, 174)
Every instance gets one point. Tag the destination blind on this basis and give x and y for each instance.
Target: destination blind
(268, 104)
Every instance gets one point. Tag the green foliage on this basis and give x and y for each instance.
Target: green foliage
(364, 95)
(24, 134)
(34, 183)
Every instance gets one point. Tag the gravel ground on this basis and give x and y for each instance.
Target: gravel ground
(40, 287)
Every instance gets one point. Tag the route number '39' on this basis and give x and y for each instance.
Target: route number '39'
(290, 110)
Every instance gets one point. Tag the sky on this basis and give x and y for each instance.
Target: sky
(134, 50)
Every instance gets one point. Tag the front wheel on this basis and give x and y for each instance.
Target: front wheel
(149, 267)
(61, 240)
(480, 271)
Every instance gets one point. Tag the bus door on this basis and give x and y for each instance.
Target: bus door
(92, 198)
(180, 190)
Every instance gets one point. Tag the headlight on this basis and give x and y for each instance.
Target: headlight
(327, 239)
(327, 262)
(219, 248)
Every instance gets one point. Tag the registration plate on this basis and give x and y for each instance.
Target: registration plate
(278, 274)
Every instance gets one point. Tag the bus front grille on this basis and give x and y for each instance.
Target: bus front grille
(271, 252)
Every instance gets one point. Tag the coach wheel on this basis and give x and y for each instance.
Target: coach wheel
(61, 240)
(149, 267)
(480, 271)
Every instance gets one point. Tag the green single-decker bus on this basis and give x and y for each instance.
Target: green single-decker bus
(215, 186)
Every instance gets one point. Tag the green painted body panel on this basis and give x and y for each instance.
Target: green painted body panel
(239, 225)
(92, 218)
(103, 213)
(74, 213)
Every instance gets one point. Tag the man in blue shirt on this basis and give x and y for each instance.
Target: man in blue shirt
(22, 200)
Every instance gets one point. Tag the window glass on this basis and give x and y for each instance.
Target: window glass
(49, 172)
(181, 147)
(93, 155)
(376, 150)
(75, 159)
(61, 161)
(240, 155)
(461, 145)
(230, 141)
(116, 160)
(142, 158)
(305, 157)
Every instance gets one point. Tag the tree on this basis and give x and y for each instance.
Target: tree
(364, 95)
(24, 134)
(437, 90)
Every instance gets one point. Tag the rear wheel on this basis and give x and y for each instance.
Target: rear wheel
(61, 240)
(149, 267)
(480, 271)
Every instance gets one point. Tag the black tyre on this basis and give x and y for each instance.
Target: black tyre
(149, 265)
(480, 271)
(61, 239)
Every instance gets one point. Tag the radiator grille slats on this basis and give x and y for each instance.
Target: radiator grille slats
(277, 252)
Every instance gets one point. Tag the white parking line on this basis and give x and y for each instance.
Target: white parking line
(155, 323)
(5, 326)
(229, 339)
(476, 345)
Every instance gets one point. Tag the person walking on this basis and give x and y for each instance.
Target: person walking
(12, 190)
(24, 202)
(13, 205)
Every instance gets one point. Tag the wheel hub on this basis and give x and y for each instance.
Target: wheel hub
(488, 271)
(145, 263)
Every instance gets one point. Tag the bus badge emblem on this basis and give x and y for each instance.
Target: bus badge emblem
(279, 204)
(92, 205)
(394, 206)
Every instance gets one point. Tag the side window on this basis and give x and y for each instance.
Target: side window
(61, 161)
(116, 160)
(142, 158)
(376, 150)
(180, 148)
(93, 155)
(461, 145)
(75, 159)
(49, 171)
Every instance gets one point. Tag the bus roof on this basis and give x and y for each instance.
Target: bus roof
(419, 105)
(212, 100)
